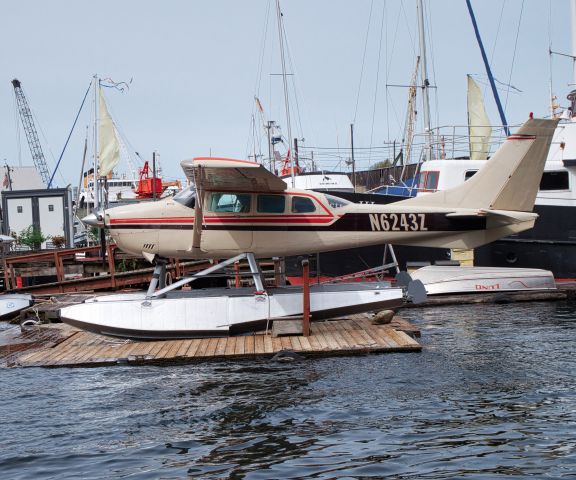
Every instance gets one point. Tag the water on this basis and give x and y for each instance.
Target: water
(491, 396)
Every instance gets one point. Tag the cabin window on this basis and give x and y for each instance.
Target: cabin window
(554, 181)
(302, 205)
(19, 208)
(469, 174)
(431, 182)
(230, 202)
(271, 203)
(50, 208)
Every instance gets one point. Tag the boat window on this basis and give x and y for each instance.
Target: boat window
(554, 181)
(336, 202)
(186, 197)
(230, 202)
(271, 203)
(421, 181)
(431, 181)
(302, 205)
(469, 174)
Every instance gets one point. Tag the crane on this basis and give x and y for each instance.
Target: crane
(31, 134)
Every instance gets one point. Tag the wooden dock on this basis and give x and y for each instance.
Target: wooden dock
(76, 348)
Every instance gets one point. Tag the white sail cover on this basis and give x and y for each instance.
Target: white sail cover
(108, 147)
(479, 128)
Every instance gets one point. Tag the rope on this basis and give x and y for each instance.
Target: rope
(69, 135)
(363, 60)
(514, 55)
(377, 72)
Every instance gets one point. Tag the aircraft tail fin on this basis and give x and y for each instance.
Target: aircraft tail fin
(509, 180)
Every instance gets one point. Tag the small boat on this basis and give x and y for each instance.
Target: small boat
(451, 279)
(11, 304)
(221, 312)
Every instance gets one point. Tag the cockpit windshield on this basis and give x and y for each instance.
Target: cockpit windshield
(336, 202)
(186, 197)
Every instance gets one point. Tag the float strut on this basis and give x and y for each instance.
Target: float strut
(256, 273)
(158, 277)
(184, 281)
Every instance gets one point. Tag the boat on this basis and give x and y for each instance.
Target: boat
(11, 304)
(439, 280)
(222, 312)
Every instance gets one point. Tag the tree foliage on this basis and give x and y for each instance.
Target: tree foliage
(32, 237)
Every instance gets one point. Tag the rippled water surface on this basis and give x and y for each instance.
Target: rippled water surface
(491, 395)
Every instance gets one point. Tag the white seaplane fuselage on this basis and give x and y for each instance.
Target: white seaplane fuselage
(302, 222)
(240, 207)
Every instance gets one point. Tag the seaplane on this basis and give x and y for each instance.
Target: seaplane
(239, 210)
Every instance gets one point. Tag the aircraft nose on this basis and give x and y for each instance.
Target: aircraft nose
(94, 220)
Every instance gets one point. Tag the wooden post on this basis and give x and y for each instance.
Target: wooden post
(177, 268)
(237, 274)
(111, 265)
(277, 272)
(306, 298)
(7, 285)
(59, 270)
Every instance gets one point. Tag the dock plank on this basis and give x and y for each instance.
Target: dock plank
(276, 344)
(194, 345)
(295, 342)
(378, 334)
(249, 344)
(286, 343)
(211, 349)
(259, 344)
(268, 345)
(230, 346)
(221, 347)
(184, 346)
(239, 350)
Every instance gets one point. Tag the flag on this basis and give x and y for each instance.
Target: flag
(6, 182)
(258, 105)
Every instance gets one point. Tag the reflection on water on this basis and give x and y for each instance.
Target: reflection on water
(491, 395)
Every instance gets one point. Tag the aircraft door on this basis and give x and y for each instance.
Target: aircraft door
(227, 222)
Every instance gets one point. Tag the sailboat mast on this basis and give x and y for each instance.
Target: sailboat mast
(284, 81)
(95, 175)
(424, 77)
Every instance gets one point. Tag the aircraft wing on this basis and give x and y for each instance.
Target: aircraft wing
(209, 173)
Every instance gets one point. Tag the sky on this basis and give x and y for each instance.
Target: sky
(196, 66)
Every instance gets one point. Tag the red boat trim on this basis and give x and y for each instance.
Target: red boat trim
(521, 137)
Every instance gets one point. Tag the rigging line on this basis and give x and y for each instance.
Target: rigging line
(496, 39)
(363, 61)
(497, 31)
(514, 55)
(263, 50)
(292, 79)
(377, 72)
(70, 134)
(552, 109)
(48, 147)
(389, 65)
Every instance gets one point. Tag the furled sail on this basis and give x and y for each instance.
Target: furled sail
(479, 129)
(108, 146)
